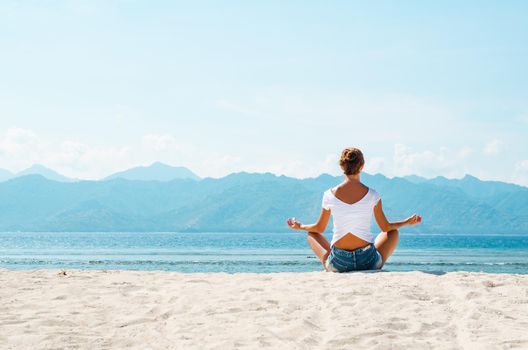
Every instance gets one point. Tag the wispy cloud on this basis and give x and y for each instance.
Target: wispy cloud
(376, 165)
(160, 143)
(429, 163)
(20, 148)
(18, 141)
(493, 147)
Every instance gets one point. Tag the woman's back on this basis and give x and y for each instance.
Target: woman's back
(351, 206)
(350, 192)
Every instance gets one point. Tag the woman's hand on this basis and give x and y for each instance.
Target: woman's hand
(413, 220)
(294, 224)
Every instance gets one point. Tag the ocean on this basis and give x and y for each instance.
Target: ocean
(248, 252)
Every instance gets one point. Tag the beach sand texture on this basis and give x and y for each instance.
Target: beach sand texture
(43, 309)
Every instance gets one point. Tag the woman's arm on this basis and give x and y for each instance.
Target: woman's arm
(387, 226)
(319, 226)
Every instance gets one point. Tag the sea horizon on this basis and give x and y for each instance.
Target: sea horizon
(235, 252)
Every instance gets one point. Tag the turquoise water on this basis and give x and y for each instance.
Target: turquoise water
(248, 252)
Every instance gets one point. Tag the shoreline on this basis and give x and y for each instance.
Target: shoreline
(70, 271)
(117, 309)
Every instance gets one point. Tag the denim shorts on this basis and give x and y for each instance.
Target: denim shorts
(366, 258)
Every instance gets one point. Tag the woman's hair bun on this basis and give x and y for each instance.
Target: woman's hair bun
(351, 160)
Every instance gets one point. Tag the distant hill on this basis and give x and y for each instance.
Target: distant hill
(155, 172)
(251, 202)
(5, 175)
(478, 188)
(415, 179)
(49, 174)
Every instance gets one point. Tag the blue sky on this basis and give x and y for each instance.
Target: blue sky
(427, 88)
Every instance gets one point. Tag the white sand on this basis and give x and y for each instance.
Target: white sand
(317, 310)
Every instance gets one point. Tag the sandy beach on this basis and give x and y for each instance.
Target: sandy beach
(45, 309)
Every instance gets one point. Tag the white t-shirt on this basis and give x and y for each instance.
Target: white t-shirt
(355, 218)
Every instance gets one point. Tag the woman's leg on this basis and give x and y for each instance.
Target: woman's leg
(386, 243)
(319, 245)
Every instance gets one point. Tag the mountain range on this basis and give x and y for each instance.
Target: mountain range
(258, 202)
(155, 172)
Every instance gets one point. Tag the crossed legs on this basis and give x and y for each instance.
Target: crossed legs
(385, 243)
(319, 245)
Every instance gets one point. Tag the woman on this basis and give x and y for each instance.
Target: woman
(351, 204)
